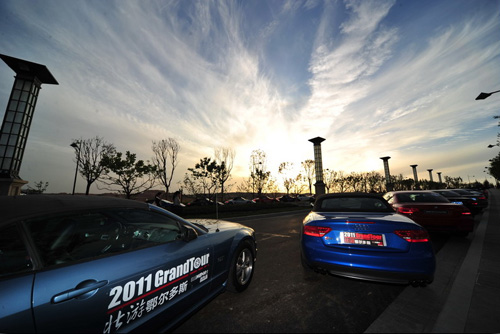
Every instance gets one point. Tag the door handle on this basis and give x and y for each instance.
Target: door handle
(83, 290)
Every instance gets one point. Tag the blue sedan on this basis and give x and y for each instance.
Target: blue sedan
(102, 264)
(359, 235)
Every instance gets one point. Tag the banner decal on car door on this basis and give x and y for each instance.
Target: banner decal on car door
(133, 293)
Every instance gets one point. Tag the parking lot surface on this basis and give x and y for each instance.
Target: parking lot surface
(466, 290)
(281, 299)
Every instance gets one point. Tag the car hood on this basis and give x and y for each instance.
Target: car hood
(217, 225)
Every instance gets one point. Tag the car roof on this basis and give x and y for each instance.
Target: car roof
(410, 191)
(15, 208)
(352, 194)
(317, 204)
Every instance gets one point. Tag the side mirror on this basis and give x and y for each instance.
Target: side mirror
(189, 234)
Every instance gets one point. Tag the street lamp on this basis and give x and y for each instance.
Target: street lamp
(483, 96)
(76, 145)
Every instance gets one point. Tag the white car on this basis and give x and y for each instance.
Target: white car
(240, 200)
(303, 197)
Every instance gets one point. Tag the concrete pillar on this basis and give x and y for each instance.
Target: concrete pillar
(319, 186)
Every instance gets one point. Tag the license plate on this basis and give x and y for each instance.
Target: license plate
(368, 239)
(436, 212)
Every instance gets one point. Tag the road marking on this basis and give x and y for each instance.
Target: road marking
(271, 235)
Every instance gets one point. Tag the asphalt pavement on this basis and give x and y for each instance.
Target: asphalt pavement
(465, 294)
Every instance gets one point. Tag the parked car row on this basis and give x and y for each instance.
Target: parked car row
(103, 264)
(261, 199)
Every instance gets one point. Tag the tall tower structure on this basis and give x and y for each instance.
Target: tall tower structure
(430, 174)
(17, 120)
(388, 184)
(319, 186)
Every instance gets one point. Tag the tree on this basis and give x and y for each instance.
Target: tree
(340, 182)
(205, 176)
(329, 177)
(494, 169)
(131, 175)
(272, 187)
(374, 181)
(90, 154)
(285, 169)
(40, 188)
(258, 171)
(224, 157)
(308, 167)
(453, 182)
(298, 186)
(354, 180)
(165, 160)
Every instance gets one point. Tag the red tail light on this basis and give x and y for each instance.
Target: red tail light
(316, 231)
(466, 212)
(407, 210)
(413, 235)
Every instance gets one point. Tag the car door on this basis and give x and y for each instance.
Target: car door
(116, 270)
(16, 279)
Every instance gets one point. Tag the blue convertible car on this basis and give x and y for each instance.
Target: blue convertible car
(359, 235)
(102, 264)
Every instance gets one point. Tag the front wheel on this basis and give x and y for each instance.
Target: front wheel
(241, 270)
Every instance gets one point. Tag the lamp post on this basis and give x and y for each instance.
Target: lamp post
(76, 145)
(17, 120)
(483, 96)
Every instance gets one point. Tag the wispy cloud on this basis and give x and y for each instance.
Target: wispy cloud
(258, 75)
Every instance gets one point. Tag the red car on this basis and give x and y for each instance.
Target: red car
(432, 211)
(265, 199)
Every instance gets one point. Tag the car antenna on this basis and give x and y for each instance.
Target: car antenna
(216, 211)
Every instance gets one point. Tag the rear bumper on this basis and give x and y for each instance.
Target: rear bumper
(390, 267)
(372, 275)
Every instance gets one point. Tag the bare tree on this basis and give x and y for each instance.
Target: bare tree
(258, 171)
(329, 177)
(298, 186)
(224, 157)
(89, 156)
(285, 168)
(272, 187)
(375, 181)
(341, 182)
(308, 167)
(165, 159)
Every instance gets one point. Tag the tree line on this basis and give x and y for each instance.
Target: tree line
(99, 162)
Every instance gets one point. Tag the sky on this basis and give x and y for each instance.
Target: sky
(373, 78)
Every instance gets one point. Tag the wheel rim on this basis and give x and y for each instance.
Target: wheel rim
(244, 266)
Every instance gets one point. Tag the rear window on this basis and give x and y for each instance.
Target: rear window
(352, 204)
(421, 198)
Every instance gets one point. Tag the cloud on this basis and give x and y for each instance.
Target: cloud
(258, 75)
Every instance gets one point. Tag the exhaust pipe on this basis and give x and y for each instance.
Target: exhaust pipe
(421, 283)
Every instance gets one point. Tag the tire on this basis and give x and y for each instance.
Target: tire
(242, 265)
